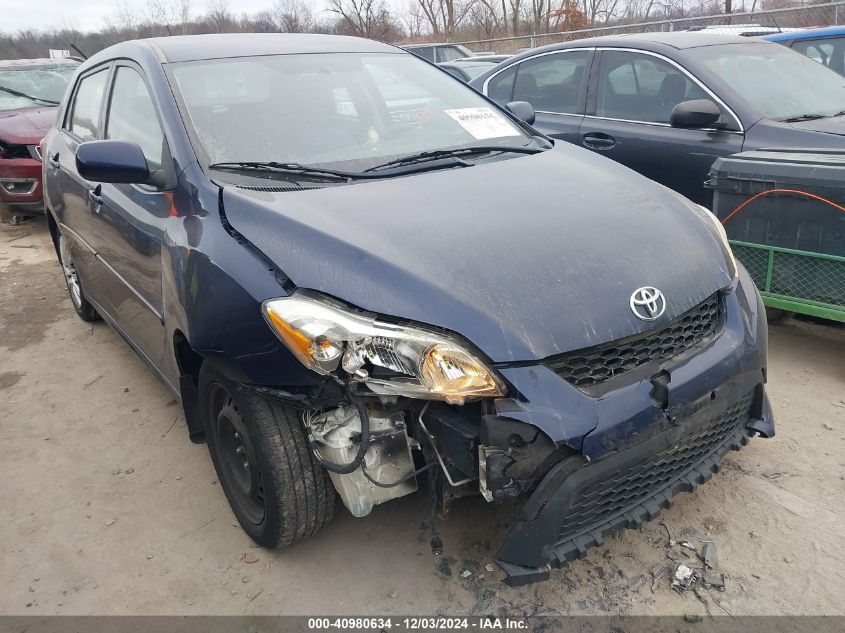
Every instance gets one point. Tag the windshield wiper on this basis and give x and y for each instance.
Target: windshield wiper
(804, 117)
(26, 96)
(345, 176)
(288, 168)
(436, 154)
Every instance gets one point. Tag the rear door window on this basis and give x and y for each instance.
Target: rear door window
(426, 52)
(552, 83)
(85, 117)
(449, 54)
(829, 52)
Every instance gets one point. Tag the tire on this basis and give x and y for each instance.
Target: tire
(84, 309)
(282, 495)
(776, 315)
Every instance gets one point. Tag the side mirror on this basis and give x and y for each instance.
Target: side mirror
(112, 161)
(695, 113)
(522, 110)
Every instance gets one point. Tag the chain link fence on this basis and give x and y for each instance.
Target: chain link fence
(749, 23)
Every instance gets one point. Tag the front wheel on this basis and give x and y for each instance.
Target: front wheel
(278, 491)
(84, 309)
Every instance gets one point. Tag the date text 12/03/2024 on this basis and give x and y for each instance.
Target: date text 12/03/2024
(416, 624)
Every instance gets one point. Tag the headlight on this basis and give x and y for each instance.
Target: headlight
(719, 230)
(392, 359)
(715, 227)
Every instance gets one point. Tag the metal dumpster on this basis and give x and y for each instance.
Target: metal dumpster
(784, 213)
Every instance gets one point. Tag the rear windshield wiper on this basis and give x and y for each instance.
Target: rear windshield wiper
(436, 154)
(287, 168)
(804, 117)
(26, 96)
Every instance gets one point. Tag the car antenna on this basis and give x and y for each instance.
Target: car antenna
(76, 48)
(777, 26)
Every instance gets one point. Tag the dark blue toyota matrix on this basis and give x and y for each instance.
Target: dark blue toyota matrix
(359, 275)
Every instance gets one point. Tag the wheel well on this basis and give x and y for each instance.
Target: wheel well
(54, 230)
(189, 363)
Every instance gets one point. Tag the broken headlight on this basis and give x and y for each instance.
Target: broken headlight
(391, 359)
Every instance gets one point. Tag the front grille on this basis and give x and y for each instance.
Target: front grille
(593, 365)
(600, 501)
(8, 150)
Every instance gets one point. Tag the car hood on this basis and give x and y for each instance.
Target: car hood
(26, 127)
(526, 257)
(833, 125)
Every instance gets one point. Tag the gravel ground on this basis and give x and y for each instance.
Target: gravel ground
(109, 509)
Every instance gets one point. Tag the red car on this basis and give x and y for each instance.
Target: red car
(30, 91)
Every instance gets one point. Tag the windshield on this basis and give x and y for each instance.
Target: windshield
(775, 81)
(36, 87)
(336, 110)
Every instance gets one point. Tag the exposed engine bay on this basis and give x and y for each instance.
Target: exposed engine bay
(464, 451)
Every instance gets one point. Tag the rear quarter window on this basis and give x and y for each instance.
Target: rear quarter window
(500, 88)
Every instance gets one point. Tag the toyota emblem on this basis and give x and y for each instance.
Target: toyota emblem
(648, 303)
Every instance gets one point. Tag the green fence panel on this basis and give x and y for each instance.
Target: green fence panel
(800, 281)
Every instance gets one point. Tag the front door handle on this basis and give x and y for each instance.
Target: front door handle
(599, 141)
(54, 160)
(95, 198)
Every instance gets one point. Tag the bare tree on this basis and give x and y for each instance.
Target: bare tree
(261, 22)
(126, 17)
(184, 12)
(601, 11)
(485, 20)
(167, 14)
(219, 15)
(638, 10)
(445, 16)
(293, 16)
(516, 14)
(364, 18)
(413, 19)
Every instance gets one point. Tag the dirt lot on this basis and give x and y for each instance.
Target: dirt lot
(107, 508)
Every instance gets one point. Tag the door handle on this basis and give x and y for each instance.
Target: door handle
(54, 160)
(599, 141)
(95, 198)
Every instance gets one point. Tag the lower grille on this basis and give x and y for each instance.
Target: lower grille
(600, 501)
(588, 367)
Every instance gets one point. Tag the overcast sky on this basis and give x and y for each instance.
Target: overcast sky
(88, 15)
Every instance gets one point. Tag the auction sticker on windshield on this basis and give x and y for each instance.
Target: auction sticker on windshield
(483, 123)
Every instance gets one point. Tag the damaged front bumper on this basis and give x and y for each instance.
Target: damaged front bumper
(612, 457)
(574, 509)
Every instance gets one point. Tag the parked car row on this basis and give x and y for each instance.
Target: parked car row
(669, 104)
(357, 273)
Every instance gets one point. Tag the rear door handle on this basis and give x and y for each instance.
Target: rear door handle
(95, 198)
(599, 141)
(54, 160)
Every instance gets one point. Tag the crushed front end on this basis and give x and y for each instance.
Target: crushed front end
(585, 443)
(664, 408)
